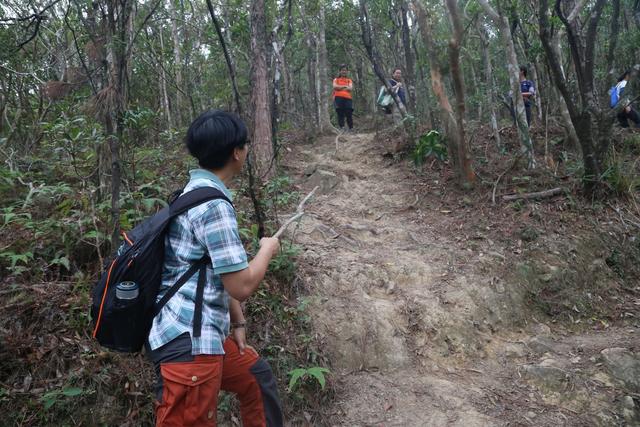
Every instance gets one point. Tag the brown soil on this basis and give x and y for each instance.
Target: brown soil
(437, 308)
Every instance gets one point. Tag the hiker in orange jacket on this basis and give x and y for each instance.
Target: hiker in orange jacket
(342, 99)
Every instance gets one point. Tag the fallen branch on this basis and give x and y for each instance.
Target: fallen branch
(495, 186)
(298, 214)
(536, 195)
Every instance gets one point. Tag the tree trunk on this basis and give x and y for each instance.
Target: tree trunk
(488, 71)
(322, 75)
(567, 124)
(177, 62)
(261, 146)
(410, 78)
(227, 57)
(115, 96)
(613, 40)
(163, 84)
(466, 172)
(453, 123)
(374, 57)
(514, 79)
(311, 97)
(592, 125)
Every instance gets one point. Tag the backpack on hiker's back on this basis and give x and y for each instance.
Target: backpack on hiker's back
(615, 93)
(385, 99)
(124, 298)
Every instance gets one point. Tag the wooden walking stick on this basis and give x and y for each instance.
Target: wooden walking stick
(299, 212)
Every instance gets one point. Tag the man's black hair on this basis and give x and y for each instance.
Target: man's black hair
(213, 136)
(624, 76)
(395, 69)
(343, 67)
(523, 69)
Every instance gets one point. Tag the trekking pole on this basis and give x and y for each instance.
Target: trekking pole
(299, 212)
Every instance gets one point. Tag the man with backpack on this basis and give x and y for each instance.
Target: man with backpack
(627, 112)
(188, 341)
(528, 91)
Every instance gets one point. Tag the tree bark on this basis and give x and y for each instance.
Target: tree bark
(514, 79)
(567, 124)
(464, 164)
(322, 74)
(177, 61)
(166, 106)
(409, 60)
(591, 123)
(488, 71)
(227, 57)
(374, 57)
(453, 123)
(311, 98)
(114, 99)
(261, 146)
(613, 39)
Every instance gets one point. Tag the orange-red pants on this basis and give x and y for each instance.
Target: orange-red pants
(190, 388)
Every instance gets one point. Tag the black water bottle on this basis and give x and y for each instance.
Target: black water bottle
(127, 314)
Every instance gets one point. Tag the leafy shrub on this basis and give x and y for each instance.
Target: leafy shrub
(283, 265)
(314, 374)
(430, 144)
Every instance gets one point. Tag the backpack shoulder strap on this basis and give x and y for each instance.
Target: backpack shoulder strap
(180, 205)
(199, 265)
(194, 198)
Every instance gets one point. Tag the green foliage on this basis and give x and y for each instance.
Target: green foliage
(9, 216)
(283, 265)
(52, 397)
(430, 144)
(251, 234)
(17, 258)
(276, 192)
(138, 119)
(312, 374)
(622, 180)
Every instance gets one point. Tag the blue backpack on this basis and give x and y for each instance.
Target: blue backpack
(614, 96)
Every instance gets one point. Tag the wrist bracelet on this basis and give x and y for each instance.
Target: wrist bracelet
(237, 325)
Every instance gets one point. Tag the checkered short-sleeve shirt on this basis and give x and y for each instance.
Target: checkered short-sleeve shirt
(210, 228)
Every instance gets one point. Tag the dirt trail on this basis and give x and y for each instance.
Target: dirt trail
(418, 329)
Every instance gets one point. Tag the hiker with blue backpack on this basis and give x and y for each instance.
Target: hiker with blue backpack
(175, 287)
(528, 91)
(627, 112)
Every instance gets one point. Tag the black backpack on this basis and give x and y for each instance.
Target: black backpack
(124, 324)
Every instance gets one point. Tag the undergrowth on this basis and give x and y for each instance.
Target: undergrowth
(55, 236)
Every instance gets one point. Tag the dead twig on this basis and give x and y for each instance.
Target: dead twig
(298, 214)
(536, 195)
(495, 186)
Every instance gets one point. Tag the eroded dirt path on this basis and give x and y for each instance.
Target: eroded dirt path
(419, 330)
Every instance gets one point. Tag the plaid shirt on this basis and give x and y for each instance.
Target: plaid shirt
(208, 228)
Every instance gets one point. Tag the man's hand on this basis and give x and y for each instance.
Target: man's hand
(270, 243)
(239, 335)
